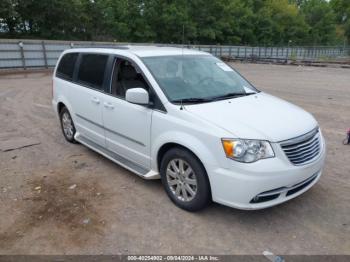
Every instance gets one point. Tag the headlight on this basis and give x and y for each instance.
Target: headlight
(247, 150)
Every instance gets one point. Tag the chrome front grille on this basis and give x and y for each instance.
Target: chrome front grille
(303, 149)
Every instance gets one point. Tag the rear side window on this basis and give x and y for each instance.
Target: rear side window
(92, 70)
(66, 67)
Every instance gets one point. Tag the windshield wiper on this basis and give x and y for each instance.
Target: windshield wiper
(193, 100)
(231, 95)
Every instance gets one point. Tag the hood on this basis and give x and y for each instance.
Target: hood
(259, 116)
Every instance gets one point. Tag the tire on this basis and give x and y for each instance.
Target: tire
(178, 182)
(67, 125)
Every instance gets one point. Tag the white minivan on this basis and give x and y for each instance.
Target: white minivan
(190, 119)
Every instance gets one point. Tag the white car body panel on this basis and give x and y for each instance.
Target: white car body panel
(137, 132)
(264, 121)
(128, 129)
(86, 105)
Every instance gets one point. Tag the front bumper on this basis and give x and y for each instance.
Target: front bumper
(264, 183)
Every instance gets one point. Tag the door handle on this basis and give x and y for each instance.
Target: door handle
(108, 105)
(95, 100)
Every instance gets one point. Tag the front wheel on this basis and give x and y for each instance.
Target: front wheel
(185, 179)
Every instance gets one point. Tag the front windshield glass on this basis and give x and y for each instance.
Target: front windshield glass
(196, 78)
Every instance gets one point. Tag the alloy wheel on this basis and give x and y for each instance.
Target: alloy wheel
(181, 180)
(67, 125)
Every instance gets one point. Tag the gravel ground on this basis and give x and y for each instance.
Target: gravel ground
(59, 198)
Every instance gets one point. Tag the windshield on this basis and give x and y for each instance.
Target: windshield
(197, 78)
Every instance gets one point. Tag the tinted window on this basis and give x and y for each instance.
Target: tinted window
(66, 67)
(92, 70)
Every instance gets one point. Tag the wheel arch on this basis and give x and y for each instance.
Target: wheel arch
(60, 106)
(169, 145)
(166, 146)
(61, 103)
(190, 142)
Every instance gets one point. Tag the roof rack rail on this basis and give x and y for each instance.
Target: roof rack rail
(104, 46)
(123, 47)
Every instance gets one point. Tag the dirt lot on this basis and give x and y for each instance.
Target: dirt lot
(59, 198)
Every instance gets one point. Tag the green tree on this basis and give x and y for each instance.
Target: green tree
(279, 22)
(58, 18)
(222, 21)
(8, 16)
(342, 11)
(167, 19)
(321, 19)
(254, 22)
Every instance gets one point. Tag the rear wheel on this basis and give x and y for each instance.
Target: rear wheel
(185, 179)
(67, 125)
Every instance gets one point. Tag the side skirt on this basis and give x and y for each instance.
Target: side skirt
(131, 166)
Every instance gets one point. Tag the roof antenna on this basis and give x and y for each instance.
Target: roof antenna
(183, 38)
(181, 105)
(183, 41)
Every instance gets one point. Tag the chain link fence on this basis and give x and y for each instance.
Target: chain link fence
(15, 53)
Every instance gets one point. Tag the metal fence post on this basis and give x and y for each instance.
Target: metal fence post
(315, 53)
(298, 52)
(245, 53)
(230, 52)
(282, 52)
(20, 44)
(44, 54)
(238, 52)
(310, 52)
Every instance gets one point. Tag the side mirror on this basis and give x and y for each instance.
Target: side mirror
(137, 96)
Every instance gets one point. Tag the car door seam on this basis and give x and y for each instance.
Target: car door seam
(109, 130)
